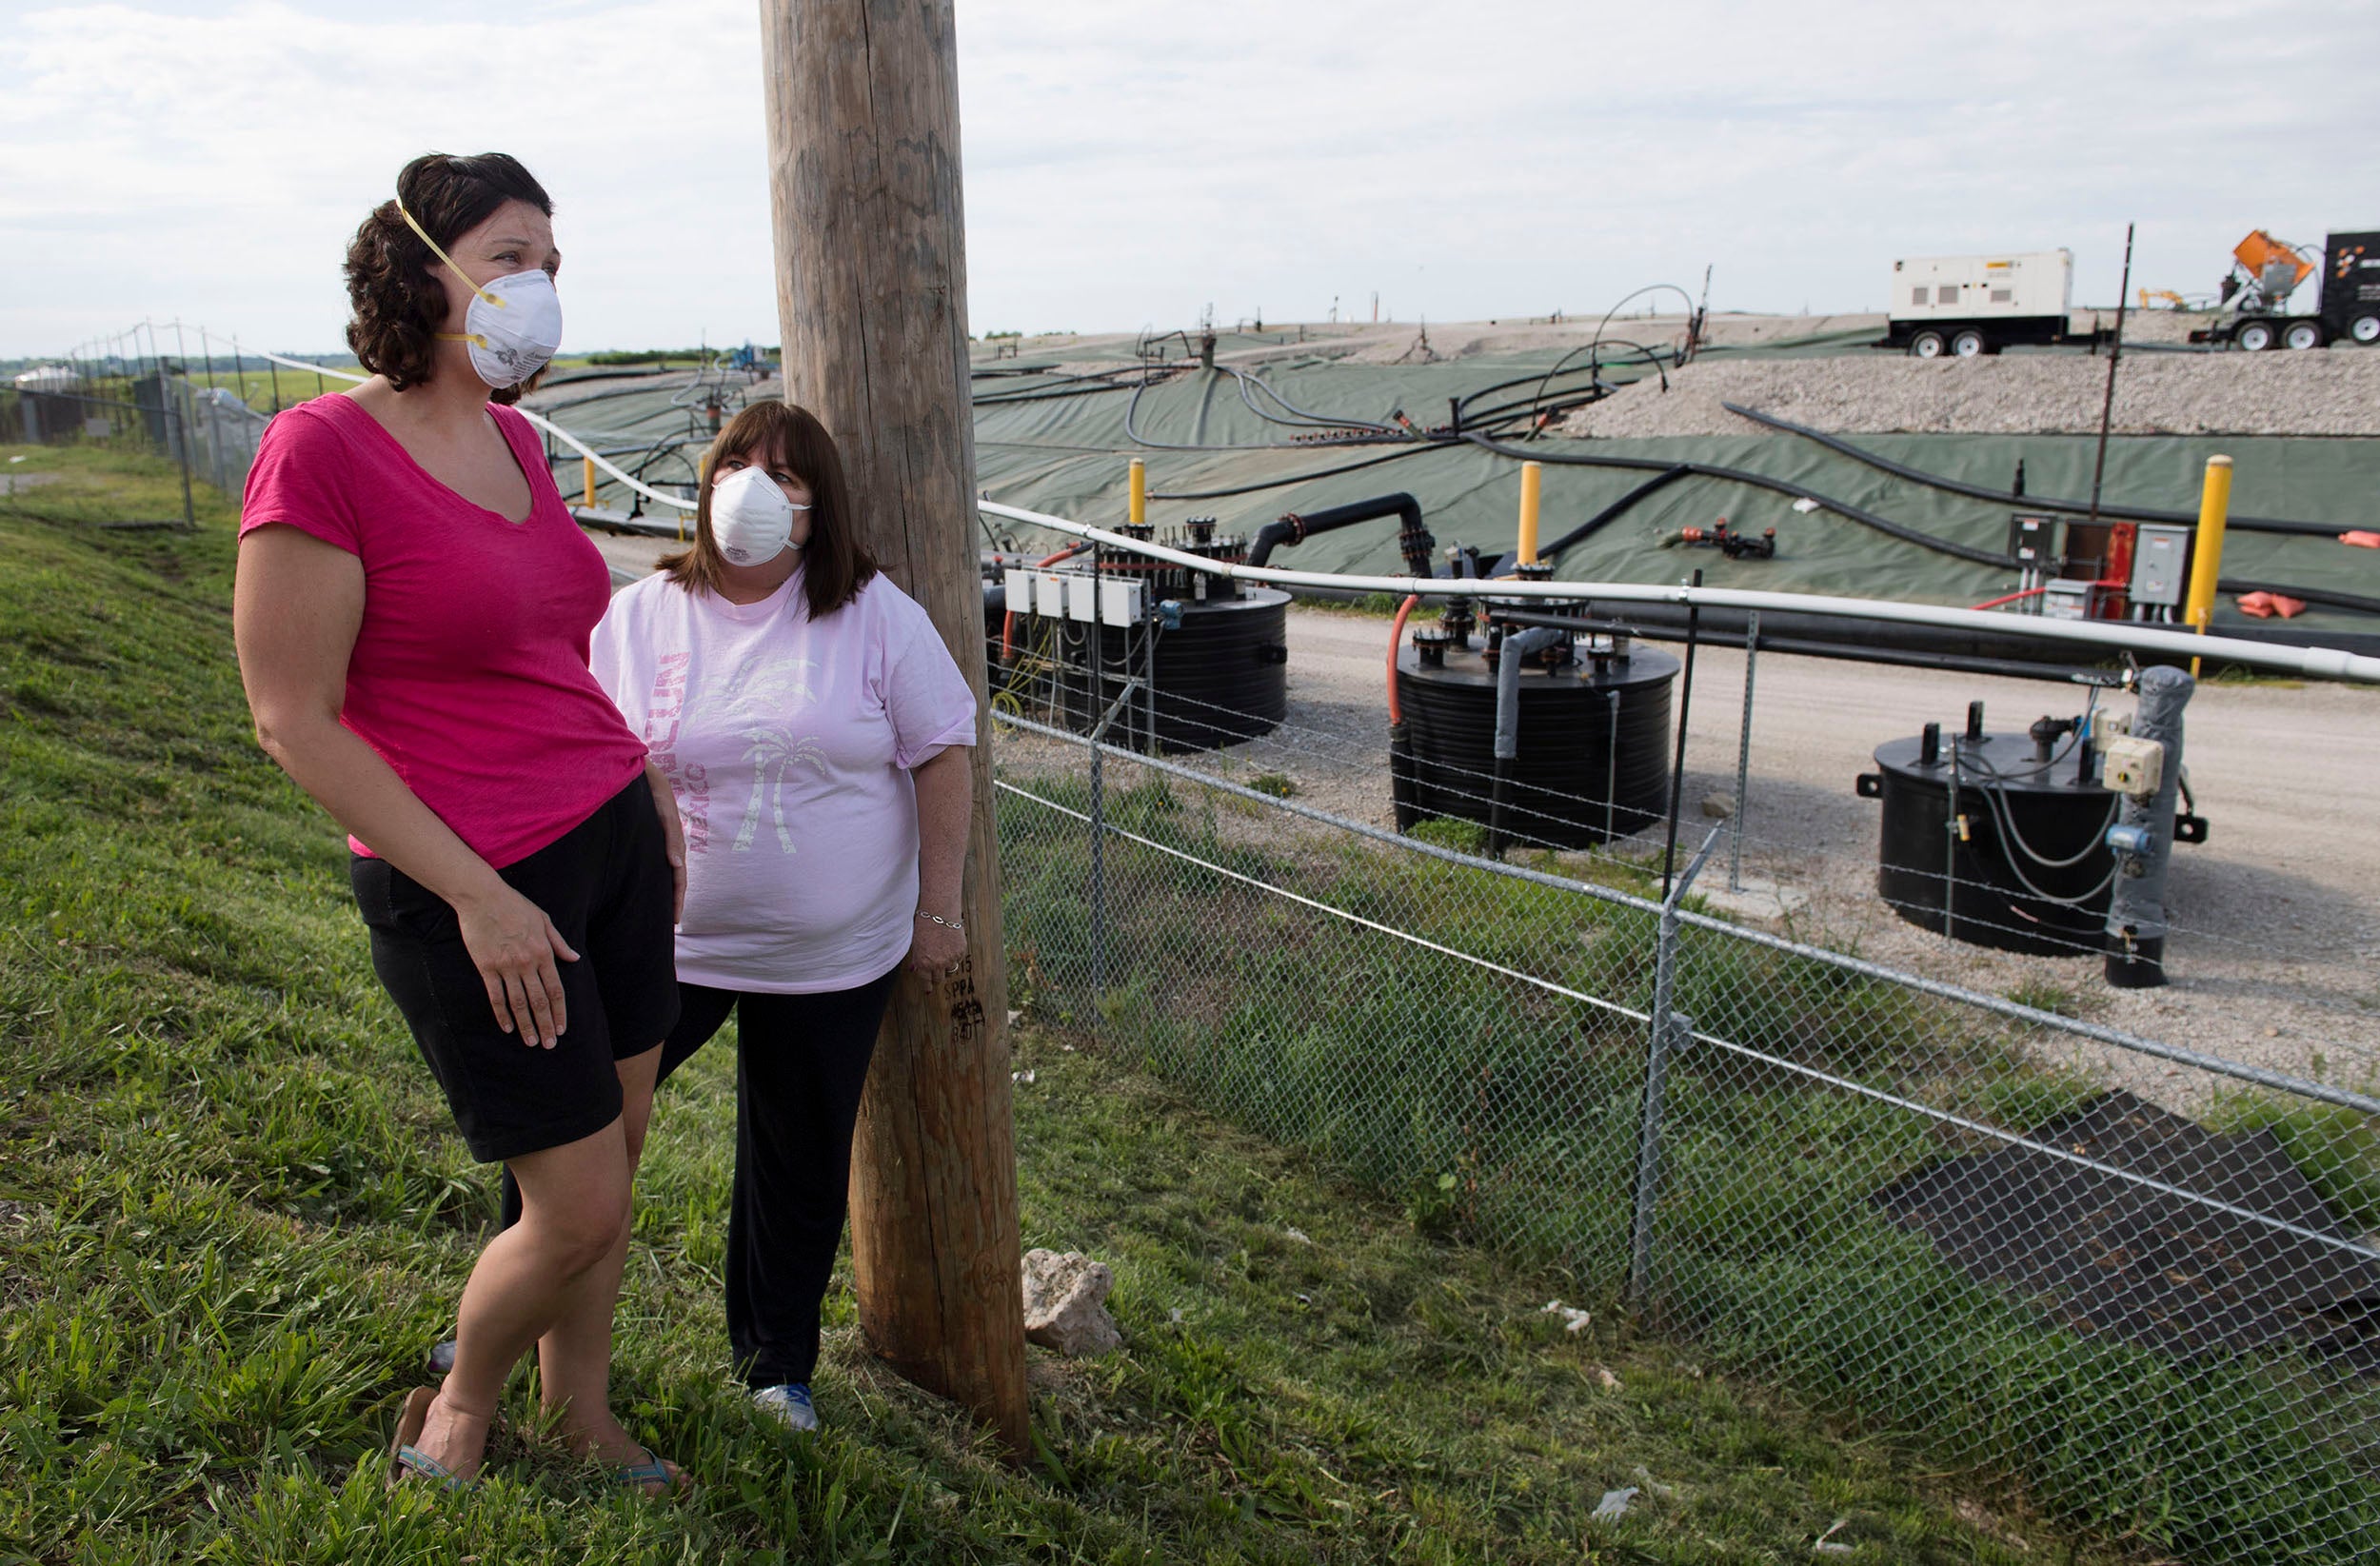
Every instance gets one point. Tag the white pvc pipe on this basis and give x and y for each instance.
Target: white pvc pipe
(2314, 662)
(539, 419)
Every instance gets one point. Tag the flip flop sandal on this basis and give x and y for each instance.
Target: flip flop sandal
(406, 1462)
(637, 1475)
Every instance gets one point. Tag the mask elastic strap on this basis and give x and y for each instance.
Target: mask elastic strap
(440, 252)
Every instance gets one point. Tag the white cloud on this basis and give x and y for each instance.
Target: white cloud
(1128, 162)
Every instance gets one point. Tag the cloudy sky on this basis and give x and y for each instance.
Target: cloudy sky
(1131, 161)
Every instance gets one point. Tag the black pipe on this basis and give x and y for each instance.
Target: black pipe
(2065, 674)
(2354, 602)
(1952, 641)
(1595, 524)
(1293, 528)
(1977, 491)
(1286, 480)
(1757, 481)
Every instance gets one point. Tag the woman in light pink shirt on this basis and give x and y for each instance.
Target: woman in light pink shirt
(808, 717)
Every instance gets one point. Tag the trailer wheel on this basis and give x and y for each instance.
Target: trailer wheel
(1969, 344)
(2365, 330)
(1926, 345)
(2254, 337)
(2303, 335)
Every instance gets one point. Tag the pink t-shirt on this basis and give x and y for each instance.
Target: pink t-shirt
(469, 671)
(789, 743)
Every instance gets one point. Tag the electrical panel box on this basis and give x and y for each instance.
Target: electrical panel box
(2033, 541)
(2134, 766)
(2067, 600)
(1120, 603)
(2039, 282)
(1049, 595)
(2160, 555)
(1083, 598)
(1019, 590)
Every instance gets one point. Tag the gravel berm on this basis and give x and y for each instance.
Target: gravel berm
(2334, 392)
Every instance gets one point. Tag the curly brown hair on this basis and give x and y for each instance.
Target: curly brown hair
(399, 303)
(833, 567)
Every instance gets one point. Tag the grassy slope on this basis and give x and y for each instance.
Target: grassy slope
(231, 1216)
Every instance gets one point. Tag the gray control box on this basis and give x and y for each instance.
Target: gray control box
(2160, 557)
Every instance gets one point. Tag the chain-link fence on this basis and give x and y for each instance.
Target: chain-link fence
(196, 399)
(2141, 1279)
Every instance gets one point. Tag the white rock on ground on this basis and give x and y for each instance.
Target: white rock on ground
(1066, 1303)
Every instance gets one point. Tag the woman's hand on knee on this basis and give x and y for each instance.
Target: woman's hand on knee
(514, 945)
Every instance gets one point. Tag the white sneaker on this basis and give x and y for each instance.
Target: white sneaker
(788, 1405)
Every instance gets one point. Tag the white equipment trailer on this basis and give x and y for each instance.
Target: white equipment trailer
(1969, 305)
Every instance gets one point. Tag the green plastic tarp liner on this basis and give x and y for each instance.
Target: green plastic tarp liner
(1069, 458)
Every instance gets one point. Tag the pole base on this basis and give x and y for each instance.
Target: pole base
(2138, 964)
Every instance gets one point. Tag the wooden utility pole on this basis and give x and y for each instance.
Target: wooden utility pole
(862, 103)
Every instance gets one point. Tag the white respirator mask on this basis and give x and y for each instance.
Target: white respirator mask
(751, 519)
(513, 322)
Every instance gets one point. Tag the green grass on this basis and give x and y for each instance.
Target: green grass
(233, 1215)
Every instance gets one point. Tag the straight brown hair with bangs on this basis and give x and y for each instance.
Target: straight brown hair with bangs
(833, 567)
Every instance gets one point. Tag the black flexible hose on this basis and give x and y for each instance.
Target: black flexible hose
(1977, 491)
(1757, 480)
(1597, 523)
(2354, 602)
(1288, 479)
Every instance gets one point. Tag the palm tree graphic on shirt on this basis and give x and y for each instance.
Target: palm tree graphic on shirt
(772, 692)
(772, 754)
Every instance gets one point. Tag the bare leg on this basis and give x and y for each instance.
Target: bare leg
(574, 1353)
(575, 1217)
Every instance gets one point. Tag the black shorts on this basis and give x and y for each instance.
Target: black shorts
(606, 884)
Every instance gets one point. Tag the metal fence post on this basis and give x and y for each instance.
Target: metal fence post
(1099, 879)
(1666, 1031)
(176, 392)
(1099, 837)
(1743, 753)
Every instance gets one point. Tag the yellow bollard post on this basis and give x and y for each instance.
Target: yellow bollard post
(590, 466)
(1140, 512)
(1531, 478)
(2206, 561)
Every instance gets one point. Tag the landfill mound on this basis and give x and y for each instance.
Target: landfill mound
(2319, 394)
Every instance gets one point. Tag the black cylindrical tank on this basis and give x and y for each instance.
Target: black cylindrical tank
(995, 619)
(1221, 678)
(1592, 762)
(2028, 869)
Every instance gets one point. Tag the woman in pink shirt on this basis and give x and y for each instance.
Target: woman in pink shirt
(412, 612)
(807, 716)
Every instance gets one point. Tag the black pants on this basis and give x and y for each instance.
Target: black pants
(800, 1062)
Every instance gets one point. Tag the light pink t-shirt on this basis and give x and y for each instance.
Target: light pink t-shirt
(789, 743)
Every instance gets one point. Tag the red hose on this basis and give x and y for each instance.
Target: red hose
(1008, 621)
(1396, 639)
(2012, 598)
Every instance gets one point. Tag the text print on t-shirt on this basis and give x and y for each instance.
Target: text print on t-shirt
(661, 739)
(769, 691)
